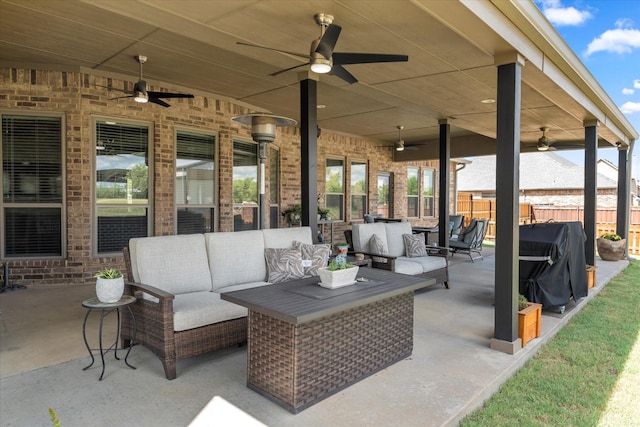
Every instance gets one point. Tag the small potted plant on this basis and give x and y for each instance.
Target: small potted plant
(109, 285)
(293, 215)
(529, 319)
(336, 275)
(611, 247)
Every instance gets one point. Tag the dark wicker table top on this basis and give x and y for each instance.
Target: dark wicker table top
(303, 300)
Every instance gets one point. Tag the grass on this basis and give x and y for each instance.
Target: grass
(584, 374)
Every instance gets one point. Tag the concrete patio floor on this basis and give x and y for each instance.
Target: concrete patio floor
(451, 372)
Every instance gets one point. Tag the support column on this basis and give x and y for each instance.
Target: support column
(590, 189)
(309, 152)
(624, 179)
(444, 182)
(507, 207)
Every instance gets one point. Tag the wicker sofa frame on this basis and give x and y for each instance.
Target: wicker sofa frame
(154, 324)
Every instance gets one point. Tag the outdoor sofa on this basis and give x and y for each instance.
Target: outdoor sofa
(177, 281)
(393, 246)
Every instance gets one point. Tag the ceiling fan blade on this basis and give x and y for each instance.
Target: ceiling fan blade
(120, 97)
(339, 71)
(344, 58)
(328, 41)
(301, 55)
(153, 94)
(288, 69)
(112, 88)
(158, 101)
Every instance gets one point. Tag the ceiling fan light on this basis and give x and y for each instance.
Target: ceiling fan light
(320, 65)
(400, 146)
(543, 147)
(140, 96)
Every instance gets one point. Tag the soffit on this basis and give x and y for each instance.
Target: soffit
(191, 45)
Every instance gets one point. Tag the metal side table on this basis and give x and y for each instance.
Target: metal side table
(94, 304)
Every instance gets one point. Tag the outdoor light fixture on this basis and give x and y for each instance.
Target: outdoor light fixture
(140, 92)
(320, 64)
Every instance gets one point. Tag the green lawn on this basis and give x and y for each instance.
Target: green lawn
(587, 375)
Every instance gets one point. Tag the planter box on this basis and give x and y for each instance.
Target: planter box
(529, 322)
(338, 278)
(591, 276)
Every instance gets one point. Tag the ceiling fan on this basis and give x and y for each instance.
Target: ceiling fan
(400, 144)
(545, 144)
(142, 95)
(323, 59)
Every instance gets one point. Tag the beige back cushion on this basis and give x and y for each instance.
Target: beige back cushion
(395, 241)
(235, 258)
(283, 237)
(175, 264)
(362, 233)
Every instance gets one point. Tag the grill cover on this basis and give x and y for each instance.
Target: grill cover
(552, 263)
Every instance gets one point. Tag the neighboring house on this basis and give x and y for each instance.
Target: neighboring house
(546, 179)
(608, 169)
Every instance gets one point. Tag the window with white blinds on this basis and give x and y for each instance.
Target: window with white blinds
(122, 184)
(195, 182)
(32, 186)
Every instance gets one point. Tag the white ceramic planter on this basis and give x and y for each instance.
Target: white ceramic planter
(338, 278)
(109, 290)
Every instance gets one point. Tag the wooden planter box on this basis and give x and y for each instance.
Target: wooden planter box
(529, 322)
(591, 276)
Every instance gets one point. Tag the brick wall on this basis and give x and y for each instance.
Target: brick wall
(81, 96)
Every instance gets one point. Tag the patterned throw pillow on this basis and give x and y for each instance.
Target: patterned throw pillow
(284, 264)
(378, 246)
(414, 245)
(318, 255)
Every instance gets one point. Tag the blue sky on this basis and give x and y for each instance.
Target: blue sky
(605, 35)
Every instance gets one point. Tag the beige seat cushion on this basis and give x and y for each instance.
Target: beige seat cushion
(197, 309)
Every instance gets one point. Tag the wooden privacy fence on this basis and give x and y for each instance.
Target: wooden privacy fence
(605, 217)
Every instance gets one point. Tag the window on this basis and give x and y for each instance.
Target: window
(245, 186)
(413, 199)
(274, 187)
(195, 182)
(32, 186)
(385, 195)
(334, 188)
(358, 189)
(427, 192)
(122, 184)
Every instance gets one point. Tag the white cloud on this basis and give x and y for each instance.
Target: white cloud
(636, 84)
(620, 40)
(630, 107)
(627, 91)
(560, 16)
(624, 23)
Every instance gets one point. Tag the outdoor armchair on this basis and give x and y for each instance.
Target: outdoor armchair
(470, 239)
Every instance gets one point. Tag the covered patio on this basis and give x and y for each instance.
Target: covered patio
(450, 373)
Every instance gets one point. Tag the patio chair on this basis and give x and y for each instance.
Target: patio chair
(455, 226)
(470, 239)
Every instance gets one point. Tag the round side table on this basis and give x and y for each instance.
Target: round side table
(94, 304)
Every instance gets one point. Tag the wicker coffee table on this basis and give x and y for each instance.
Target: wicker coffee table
(306, 342)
